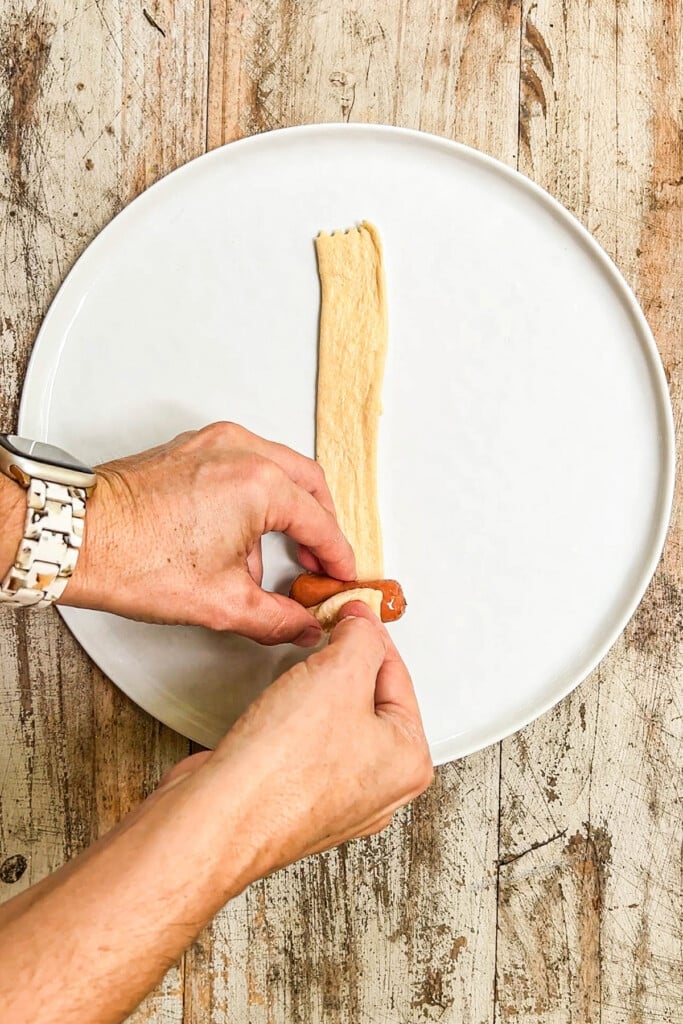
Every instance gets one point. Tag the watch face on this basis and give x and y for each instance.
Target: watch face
(42, 452)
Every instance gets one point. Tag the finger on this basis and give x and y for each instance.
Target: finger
(354, 654)
(295, 512)
(394, 686)
(360, 610)
(308, 559)
(273, 619)
(303, 471)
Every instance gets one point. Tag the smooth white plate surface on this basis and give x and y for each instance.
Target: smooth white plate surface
(526, 444)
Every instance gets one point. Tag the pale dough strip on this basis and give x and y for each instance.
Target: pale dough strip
(327, 611)
(352, 351)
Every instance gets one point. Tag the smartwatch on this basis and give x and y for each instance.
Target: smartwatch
(57, 488)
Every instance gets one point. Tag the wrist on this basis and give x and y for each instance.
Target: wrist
(93, 570)
(208, 813)
(253, 827)
(12, 517)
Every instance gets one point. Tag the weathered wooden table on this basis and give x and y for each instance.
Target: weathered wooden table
(539, 880)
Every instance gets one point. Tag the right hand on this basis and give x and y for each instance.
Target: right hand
(327, 753)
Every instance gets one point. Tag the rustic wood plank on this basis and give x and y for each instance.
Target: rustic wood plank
(401, 927)
(647, 866)
(449, 68)
(551, 869)
(95, 103)
(590, 854)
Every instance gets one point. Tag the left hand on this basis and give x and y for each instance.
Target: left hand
(173, 535)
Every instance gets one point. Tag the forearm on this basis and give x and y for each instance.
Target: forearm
(89, 942)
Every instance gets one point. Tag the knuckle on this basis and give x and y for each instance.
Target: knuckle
(263, 474)
(358, 644)
(221, 432)
(336, 535)
(274, 631)
(184, 437)
(368, 639)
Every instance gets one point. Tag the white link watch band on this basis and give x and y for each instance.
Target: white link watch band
(47, 555)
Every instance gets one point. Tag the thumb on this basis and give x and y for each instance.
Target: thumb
(394, 686)
(274, 619)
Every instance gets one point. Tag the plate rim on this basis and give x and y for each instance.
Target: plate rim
(443, 750)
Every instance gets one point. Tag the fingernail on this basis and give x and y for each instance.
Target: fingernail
(310, 637)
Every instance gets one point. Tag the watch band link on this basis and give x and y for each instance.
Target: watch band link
(47, 555)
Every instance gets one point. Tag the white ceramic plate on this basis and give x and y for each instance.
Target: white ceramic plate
(526, 444)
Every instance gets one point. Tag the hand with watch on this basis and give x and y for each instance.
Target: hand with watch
(171, 535)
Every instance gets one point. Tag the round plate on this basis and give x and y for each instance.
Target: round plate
(526, 444)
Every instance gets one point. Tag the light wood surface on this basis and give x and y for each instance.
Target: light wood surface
(539, 880)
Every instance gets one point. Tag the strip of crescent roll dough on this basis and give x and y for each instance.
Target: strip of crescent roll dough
(327, 611)
(352, 351)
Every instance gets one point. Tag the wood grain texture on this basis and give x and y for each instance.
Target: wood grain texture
(538, 881)
(590, 803)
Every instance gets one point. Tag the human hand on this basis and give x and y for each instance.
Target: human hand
(327, 753)
(173, 535)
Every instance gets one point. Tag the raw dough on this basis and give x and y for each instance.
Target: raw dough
(327, 611)
(353, 343)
